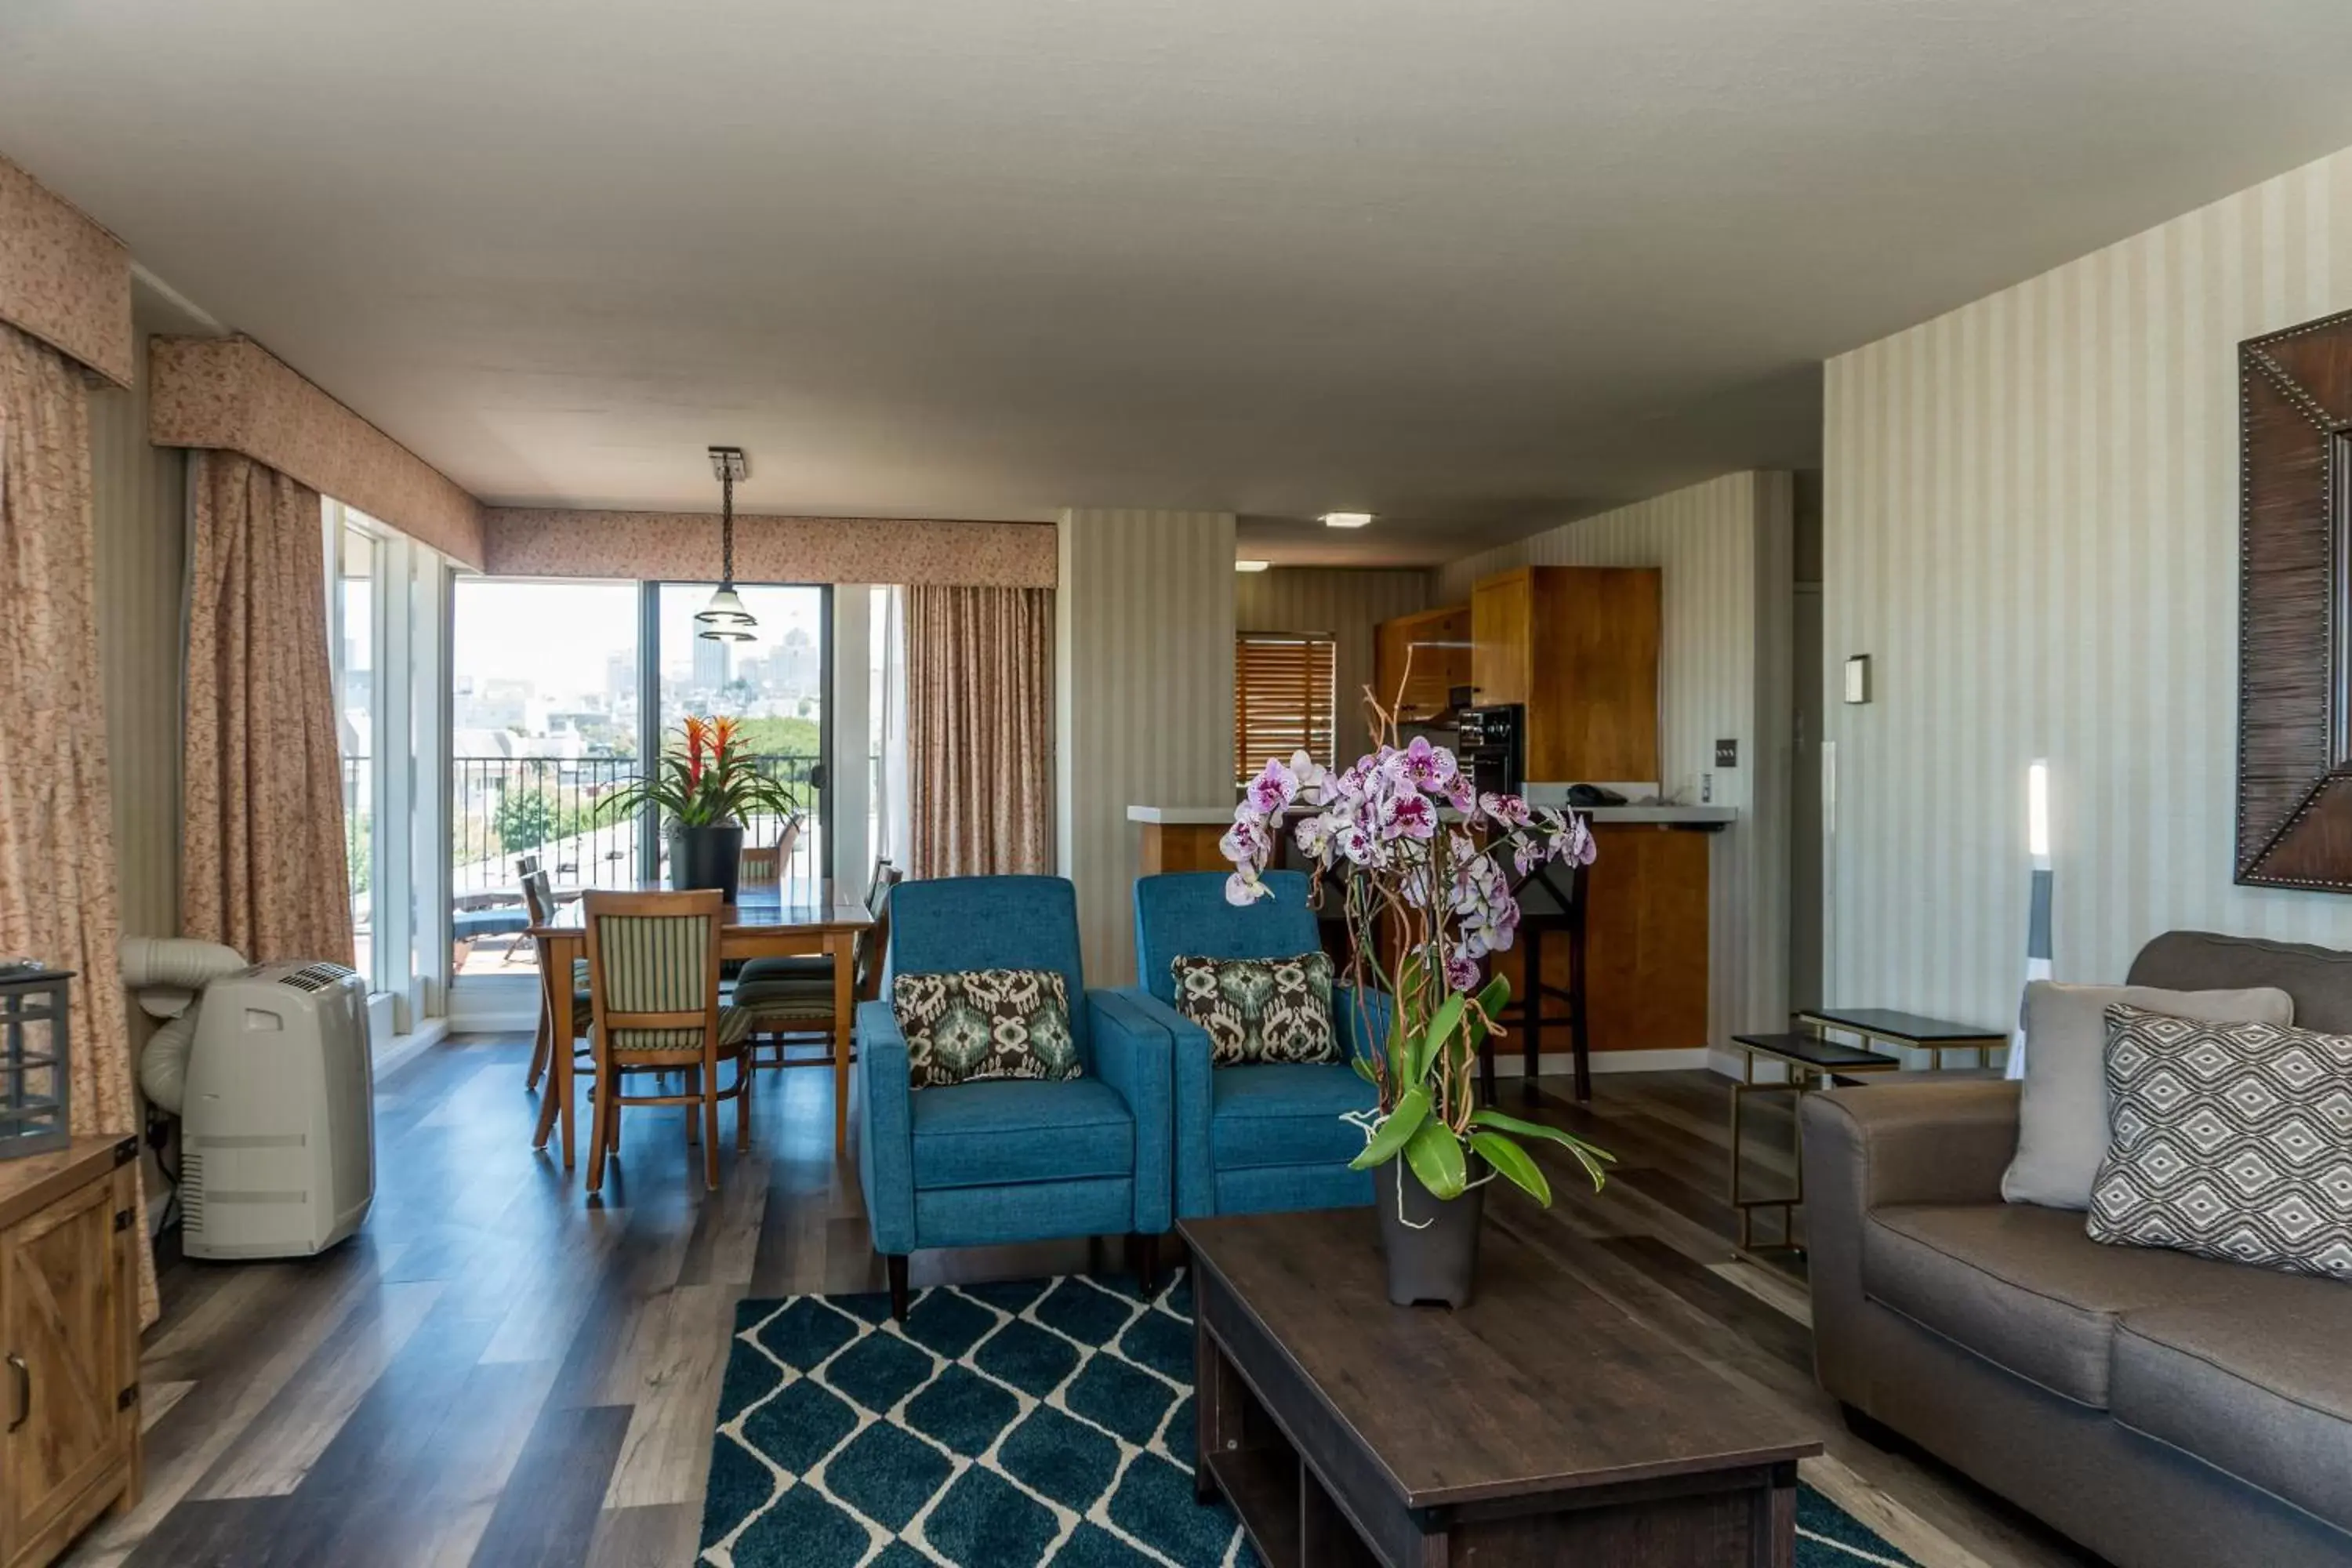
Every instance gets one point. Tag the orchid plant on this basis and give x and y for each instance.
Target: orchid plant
(1418, 855)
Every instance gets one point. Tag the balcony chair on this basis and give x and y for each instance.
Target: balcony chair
(980, 1165)
(1261, 1137)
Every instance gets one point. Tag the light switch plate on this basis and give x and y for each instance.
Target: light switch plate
(1857, 679)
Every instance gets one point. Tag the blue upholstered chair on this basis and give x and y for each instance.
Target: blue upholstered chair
(979, 1165)
(1267, 1136)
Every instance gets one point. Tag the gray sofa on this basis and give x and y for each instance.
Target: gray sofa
(2158, 1408)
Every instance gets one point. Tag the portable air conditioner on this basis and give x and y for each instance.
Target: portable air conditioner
(278, 1118)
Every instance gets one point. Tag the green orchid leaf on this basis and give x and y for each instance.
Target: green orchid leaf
(1491, 1002)
(1441, 1029)
(1512, 1163)
(1589, 1155)
(1435, 1156)
(1393, 1133)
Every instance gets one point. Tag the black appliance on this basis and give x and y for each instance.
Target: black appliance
(1492, 744)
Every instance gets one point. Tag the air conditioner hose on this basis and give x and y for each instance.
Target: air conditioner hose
(168, 973)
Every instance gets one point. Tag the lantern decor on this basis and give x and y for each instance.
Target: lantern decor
(35, 1116)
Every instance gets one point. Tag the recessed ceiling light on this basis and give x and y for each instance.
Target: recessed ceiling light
(1251, 565)
(1346, 519)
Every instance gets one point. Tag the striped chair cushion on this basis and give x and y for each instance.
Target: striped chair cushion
(734, 1026)
(775, 1003)
(766, 971)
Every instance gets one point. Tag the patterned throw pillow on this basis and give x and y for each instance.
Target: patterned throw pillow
(2231, 1141)
(984, 1023)
(1260, 1009)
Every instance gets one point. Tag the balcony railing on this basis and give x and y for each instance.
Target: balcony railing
(502, 809)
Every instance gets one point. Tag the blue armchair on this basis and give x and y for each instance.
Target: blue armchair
(1267, 1136)
(979, 1165)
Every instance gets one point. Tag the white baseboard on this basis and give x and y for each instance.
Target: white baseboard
(390, 1053)
(503, 1021)
(1510, 1064)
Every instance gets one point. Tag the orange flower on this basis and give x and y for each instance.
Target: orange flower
(698, 735)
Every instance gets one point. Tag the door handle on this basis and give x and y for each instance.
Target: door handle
(24, 1390)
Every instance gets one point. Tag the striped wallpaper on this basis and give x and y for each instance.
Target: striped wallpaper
(137, 500)
(1143, 660)
(2031, 525)
(1724, 548)
(1345, 602)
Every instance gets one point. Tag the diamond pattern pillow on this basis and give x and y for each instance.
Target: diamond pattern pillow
(983, 1024)
(1260, 1009)
(2231, 1140)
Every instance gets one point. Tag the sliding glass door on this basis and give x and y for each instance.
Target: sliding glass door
(560, 690)
(777, 684)
(544, 720)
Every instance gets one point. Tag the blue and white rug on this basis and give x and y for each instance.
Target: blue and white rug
(1044, 1421)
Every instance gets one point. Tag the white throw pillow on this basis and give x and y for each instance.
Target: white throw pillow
(2061, 1122)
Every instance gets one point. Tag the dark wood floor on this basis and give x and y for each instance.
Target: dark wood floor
(498, 1372)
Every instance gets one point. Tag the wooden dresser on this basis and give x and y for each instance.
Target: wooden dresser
(69, 1335)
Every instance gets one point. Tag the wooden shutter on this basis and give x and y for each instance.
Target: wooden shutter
(1284, 699)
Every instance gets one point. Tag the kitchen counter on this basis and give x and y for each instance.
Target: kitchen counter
(1646, 924)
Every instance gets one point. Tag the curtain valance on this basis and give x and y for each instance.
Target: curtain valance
(63, 279)
(684, 547)
(232, 395)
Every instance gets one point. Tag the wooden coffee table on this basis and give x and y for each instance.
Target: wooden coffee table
(1540, 1424)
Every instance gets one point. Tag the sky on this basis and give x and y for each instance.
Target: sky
(559, 635)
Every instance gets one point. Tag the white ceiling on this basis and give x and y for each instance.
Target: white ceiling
(1483, 265)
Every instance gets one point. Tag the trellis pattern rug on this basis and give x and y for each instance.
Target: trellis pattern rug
(1044, 1421)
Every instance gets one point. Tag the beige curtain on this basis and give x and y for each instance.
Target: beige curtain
(56, 816)
(262, 860)
(980, 727)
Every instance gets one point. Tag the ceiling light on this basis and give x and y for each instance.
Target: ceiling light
(1251, 565)
(1346, 519)
(725, 619)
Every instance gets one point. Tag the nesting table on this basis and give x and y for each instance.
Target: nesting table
(1813, 1060)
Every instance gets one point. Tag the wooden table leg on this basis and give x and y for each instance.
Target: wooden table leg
(565, 1087)
(844, 949)
(548, 995)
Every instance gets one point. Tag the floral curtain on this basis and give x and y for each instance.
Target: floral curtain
(57, 822)
(980, 726)
(262, 863)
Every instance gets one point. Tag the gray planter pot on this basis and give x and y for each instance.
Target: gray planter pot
(706, 858)
(1434, 1257)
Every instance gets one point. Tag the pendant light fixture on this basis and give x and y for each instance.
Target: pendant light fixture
(725, 619)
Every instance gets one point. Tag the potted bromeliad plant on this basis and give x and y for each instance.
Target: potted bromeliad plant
(706, 785)
(1418, 857)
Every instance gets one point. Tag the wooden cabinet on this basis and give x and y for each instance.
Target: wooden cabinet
(1578, 647)
(69, 1334)
(1435, 643)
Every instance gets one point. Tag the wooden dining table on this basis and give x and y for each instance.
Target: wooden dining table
(787, 920)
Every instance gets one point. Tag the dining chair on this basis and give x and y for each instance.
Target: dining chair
(653, 988)
(790, 999)
(539, 898)
(815, 966)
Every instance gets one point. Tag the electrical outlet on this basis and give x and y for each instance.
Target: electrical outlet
(1707, 789)
(1726, 753)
